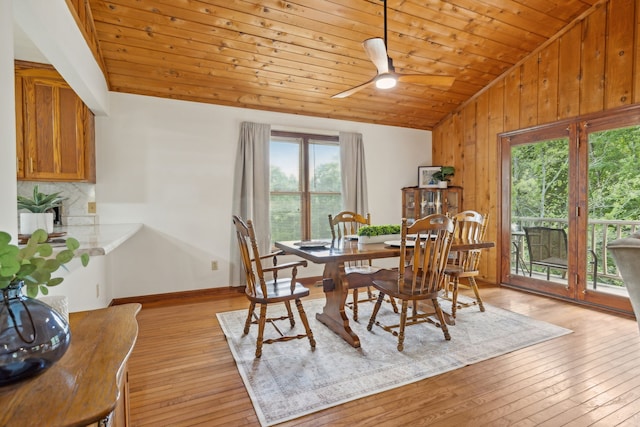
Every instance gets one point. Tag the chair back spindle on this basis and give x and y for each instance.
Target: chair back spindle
(470, 227)
(425, 261)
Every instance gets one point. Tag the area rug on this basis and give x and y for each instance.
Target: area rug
(290, 380)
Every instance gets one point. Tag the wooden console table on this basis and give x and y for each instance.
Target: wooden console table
(88, 384)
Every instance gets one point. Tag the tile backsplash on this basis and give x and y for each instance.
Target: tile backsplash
(78, 194)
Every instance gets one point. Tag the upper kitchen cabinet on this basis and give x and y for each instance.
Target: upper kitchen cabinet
(54, 128)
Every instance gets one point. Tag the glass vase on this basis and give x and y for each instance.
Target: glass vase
(33, 336)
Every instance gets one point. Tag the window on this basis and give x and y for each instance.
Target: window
(305, 185)
(578, 176)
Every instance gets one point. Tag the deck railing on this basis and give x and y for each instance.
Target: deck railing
(600, 233)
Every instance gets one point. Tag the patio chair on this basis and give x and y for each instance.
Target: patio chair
(263, 292)
(420, 274)
(548, 248)
(357, 273)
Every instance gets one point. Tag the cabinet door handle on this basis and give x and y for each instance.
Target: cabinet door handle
(31, 164)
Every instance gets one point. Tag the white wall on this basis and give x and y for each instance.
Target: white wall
(8, 218)
(85, 287)
(169, 165)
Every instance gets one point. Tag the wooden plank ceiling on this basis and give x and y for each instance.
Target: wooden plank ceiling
(292, 56)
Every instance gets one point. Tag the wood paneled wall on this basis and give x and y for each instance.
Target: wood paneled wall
(592, 65)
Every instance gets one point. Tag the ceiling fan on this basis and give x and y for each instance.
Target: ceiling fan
(387, 77)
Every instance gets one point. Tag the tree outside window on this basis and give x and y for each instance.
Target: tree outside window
(305, 185)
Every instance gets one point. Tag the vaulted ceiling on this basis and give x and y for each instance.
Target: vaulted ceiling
(292, 56)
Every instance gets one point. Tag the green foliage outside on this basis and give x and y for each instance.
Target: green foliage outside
(540, 181)
(540, 177)
(286, 200)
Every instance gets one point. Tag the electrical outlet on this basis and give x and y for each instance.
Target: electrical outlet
(214, 265)
(91, 207)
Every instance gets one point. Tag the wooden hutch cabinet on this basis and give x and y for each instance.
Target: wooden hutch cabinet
(419, 202)
(55, 131)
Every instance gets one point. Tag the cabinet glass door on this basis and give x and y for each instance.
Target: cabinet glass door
(430, 202)
(452, 201)
(410, 205)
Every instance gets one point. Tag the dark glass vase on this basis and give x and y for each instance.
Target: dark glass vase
(33, 336)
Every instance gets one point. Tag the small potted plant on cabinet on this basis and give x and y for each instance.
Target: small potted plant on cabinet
(40, 209)
(443, 175)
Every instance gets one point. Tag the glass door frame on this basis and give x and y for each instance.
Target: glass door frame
(577, 130)
(507, 140)
(625, 117)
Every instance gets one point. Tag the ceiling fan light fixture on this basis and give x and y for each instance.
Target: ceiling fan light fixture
(386, 81)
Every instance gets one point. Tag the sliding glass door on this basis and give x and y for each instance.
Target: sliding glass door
(539, 195)
(569, 189)
(613, 155)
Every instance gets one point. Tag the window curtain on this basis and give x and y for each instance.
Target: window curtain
(251, 191)
(354, 174)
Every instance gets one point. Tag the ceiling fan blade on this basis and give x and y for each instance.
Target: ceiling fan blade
(353, 90)
(427, 80)
(377, 53)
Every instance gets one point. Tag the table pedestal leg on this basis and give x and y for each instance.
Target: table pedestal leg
(333, 314)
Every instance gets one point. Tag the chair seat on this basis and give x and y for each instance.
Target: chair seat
(360, 276)
(280, 291)
(362, 269)
(390, 287)
(456, 270)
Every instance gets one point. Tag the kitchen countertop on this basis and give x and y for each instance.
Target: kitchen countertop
(99, 239)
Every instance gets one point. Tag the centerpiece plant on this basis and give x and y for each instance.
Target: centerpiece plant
(378, 230)
(377, 233)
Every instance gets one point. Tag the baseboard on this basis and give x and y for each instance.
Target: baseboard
(183, 297)
(171, 298)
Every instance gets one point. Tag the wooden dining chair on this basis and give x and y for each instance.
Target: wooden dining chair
(470, 227)
(266, 292)
(357, 273)
(420, 274)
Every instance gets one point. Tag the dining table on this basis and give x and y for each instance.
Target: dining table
(334, 254)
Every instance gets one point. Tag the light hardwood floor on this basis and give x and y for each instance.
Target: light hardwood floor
(181, 373)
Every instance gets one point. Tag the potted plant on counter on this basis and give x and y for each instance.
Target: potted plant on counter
(33, 335)
(443, 175)
(40, 209)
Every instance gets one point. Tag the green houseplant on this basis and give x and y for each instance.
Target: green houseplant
(34, 263)
(443, 175)
(39, 208)
(377, 233)
(378, 230)
(33, 335)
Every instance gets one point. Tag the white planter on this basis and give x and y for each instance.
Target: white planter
(443, 184)
(30, 222)
(363, 240)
